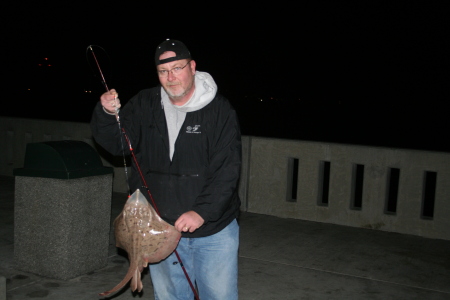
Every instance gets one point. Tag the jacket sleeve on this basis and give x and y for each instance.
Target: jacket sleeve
(223, 171)
(107, 132)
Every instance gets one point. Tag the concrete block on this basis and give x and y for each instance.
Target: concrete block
(61, 226)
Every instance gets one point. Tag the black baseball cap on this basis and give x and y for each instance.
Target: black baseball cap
(180, 49)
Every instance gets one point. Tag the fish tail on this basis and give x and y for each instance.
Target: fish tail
(121, 284)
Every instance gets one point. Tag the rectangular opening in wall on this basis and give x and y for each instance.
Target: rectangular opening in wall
(324, 183)
(9, 148)
(392, 191)
(292, 180)
(357, 187)
(429, 193)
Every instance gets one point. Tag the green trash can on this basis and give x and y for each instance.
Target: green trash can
(62, 210)
(61, 159)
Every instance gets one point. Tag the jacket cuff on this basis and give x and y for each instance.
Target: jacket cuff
(112, 114)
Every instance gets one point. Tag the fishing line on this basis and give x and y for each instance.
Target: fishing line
(97, 63)
(122, 130)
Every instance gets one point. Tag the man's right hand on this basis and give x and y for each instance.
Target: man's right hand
(110, 101)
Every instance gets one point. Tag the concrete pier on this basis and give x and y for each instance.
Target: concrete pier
(279, 258)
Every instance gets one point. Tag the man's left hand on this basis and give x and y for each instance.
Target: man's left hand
(189, 222)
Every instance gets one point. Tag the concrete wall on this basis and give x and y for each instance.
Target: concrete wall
(268, 184)
(267, 178)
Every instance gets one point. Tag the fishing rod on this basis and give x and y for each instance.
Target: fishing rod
(116, 112)
(122, 130)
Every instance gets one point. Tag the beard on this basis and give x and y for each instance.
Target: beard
(181, 93)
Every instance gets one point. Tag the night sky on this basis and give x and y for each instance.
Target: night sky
(362, 72)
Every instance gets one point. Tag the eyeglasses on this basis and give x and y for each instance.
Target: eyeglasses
(174, 71)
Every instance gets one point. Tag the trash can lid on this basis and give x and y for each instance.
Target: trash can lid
(65, 159)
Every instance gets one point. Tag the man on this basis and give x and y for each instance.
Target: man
(186, 139)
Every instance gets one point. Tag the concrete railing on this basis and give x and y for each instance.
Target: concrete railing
(397, 190)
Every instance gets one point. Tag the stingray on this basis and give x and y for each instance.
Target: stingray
(144, 236)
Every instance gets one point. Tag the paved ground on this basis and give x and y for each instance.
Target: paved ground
(278, 259)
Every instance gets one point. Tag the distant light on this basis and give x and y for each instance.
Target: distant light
(46, 58)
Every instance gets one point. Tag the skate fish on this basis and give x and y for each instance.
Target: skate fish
(144, 236)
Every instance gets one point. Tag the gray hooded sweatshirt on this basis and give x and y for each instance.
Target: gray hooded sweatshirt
(204, 93)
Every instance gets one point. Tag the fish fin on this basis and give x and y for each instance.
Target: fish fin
(140, 285)
(136, 282)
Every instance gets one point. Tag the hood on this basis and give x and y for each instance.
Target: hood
(205, 91)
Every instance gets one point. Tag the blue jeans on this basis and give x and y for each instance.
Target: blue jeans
(212, 265)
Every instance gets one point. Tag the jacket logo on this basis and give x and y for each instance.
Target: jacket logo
(194, 129)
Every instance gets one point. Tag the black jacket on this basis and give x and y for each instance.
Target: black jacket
(204, 172)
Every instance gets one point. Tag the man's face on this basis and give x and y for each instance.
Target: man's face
(179, 86)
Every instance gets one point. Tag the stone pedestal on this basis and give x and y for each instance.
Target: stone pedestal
(61, 226)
